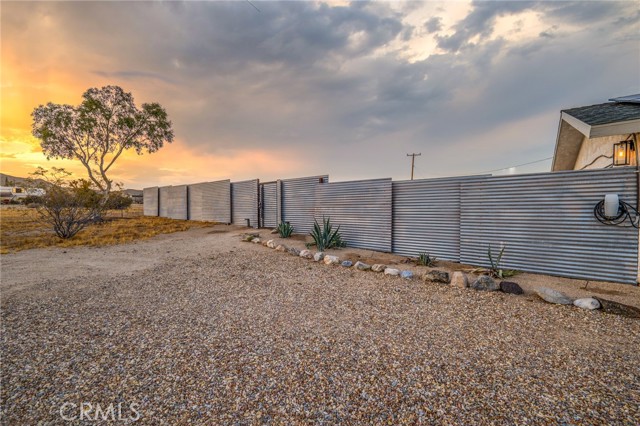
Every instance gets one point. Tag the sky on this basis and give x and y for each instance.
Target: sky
(274, 90)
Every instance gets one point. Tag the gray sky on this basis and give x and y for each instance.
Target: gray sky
(300, 88)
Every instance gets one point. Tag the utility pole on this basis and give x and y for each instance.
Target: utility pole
(413, 161)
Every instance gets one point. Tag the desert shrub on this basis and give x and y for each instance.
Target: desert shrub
(325, 237)
(285, 229)
(118, 201)
(68, 206)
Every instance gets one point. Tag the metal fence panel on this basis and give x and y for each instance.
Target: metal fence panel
(244, 202)
(150, 199)
(298, 201)
(164, 196)
(362, 209)
(178, 199)
(210, 201)
(268, 204)
(546, 223)
(426, 217)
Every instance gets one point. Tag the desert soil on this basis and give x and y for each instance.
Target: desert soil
(199, 327)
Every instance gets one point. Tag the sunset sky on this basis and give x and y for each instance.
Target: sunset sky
(287, 89)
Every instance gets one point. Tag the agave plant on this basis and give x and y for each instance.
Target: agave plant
(285, 229)
(425, 259)
(325, 237)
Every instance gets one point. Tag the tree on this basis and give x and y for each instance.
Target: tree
(99, 130)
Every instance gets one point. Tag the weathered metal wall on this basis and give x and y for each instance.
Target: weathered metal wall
(362, 209)
(426, 217)
(298, 201)
(269, 204)
(210, 201)
(178, 198)
(163, 201)
(244, 202)
(150, 198)
(546, 223)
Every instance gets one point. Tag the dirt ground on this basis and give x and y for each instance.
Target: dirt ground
(197, 327)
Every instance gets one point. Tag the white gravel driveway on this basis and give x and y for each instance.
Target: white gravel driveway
(199, 328)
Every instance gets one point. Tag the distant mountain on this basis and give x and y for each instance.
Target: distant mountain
(8, 180)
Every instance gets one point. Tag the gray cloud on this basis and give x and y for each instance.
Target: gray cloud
(434, 24)
(329, 84)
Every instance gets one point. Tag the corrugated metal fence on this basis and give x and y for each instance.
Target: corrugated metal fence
(546, 223)
(150, 199)
(362, 209)
(298, 201)
(210, 201)
(426, 217)
(244, 202)
(269, 204)
(544, 220)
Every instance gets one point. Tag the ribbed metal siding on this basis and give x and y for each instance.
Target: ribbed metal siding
(426, 217)
(244, 202)
(298, 202)
(210, 201)
(546, 223)
(150, 201)
(269, 194)
(164, 197)
(178, 202)
(362, 209)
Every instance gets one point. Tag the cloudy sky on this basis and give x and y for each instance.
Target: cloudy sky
(284, 89)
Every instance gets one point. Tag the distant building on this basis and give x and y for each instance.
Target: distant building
(588, 135)
(135, 195)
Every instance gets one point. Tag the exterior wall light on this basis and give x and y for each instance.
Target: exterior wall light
(622, 152)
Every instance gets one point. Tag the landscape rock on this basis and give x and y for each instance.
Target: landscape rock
(378, 267)
(274, 231)
(281, 247)
(392, 271)
(511, 287)
(331, 260)
(616, 308)
(347, 263)
(459, 279)
(485, 283)
(553, 296)
(306, 254)
(437, 277)
(407, 275)
(361, 266)
(587, 303)
(248, 237)
(294, 251)
(271, 244)
(318, 256)
(256, 241)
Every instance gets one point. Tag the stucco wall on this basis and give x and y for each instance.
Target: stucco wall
(593, 148)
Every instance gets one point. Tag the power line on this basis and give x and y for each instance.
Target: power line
(517, 165)
(254, 6)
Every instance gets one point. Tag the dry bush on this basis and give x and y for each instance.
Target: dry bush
(21, 230)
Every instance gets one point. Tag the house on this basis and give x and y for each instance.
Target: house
(598, 136)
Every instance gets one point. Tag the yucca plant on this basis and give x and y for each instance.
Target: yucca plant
(425, 259)
(495, 269)
(325, 237)
(285, 229)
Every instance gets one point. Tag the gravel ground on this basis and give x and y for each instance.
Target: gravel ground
(213, 331)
